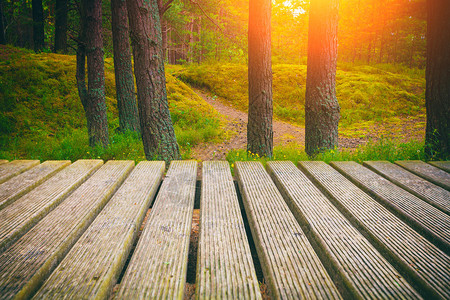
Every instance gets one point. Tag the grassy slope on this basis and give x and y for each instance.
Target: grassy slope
(367, 94)
(41, 115)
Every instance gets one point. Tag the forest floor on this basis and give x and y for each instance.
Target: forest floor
(286, 133)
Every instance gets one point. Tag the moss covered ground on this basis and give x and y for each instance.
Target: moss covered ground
(381, 96)
(41, 115)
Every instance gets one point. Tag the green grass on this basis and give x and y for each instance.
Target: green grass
(383, 149)
(41, 116)
(367, 94)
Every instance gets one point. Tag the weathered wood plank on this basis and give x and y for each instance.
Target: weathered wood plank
(159, 263)
(22, 214)
(424, 217)
(443, 165)
(14, 168)
(363, 270)
(25, 182)
(224, 266)
(425, 190)
(290, 265)
(427, 171)
(416, 258)
(26, 264)
(91, 268)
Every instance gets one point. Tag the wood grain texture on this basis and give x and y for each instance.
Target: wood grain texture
(21, 215)
(427, 171)
(362, 268)
(427, 191)
(443, 165)
(224, 266)
(416, 258)
(290, 265)
(94, 263)
(26, 264)
(159, 263)
(425, 217)
(14, 168)
(25, 182)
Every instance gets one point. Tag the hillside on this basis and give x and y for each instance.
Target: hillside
(41, 115)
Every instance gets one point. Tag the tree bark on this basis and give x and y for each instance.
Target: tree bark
(157, 131)
(90, 49)
(38, 25)
(2, 28)
(125, 91)
(321, 106)
(260, 109)
(61, 12)
(437, 93)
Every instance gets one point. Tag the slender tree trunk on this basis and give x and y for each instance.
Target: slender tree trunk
(126, 99)
(260, 109)
(437, 94)
(321, 106)
(38, 25)
(90, 49)
(157, 131)
(2, 28)
(61, 26)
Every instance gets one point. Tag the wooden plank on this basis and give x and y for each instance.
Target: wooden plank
(290, 265)
(427, 171)
(91, 268)
(443, 165)
(427, 191)
(26, 264)
(25, 182)
(224, 266)
(159, 263)
(425, 218)
(424, 265)
(18, 217)
(14, 168)
(363, 270)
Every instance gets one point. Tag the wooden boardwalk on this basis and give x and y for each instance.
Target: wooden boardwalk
(90, 229)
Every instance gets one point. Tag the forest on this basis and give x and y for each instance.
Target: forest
(381, 64)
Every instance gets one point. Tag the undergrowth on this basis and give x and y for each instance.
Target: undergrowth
(385, 94)
(41, 116)
(382, 149)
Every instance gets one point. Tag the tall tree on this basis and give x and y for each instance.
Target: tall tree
(126, 99)
(157, 131)
(38, 24)
(61, 12)
(260, 109)
(2, 28)
(437, 94)
(321, 105)
(90, 50)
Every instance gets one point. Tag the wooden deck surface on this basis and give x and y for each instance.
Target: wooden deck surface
(344, 230)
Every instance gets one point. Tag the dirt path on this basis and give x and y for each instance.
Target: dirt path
(285, 133)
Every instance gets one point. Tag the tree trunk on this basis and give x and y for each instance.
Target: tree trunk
(2, 28)
(61, 26)
(126, 99)
(91, 47)
(38, 25)
(260, 109)
(321, 106)
(157, 131)
(437, 94)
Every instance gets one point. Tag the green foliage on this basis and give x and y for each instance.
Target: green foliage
(382, 149)
(41, 115)
(382, 93)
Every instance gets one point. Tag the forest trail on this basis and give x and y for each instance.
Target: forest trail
(283, 132)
